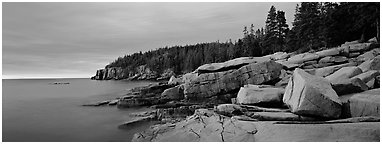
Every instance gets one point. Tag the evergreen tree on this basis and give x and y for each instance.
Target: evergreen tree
(282, 30)
(270, 31)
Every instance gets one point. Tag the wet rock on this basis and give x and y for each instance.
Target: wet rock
(256, 94)
(311, 95)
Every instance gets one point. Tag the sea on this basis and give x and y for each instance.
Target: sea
(36, 110)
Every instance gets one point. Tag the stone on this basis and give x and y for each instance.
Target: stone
(350, 43)
(207, 126)
(372, 64)
(354, 54)
(113, 102)
(174, 81)
(301, 58)
(229, 109)
(253, 94)
(328, 52)
(373, 40)
(362, 104)
(359, 47)
(208, 85)
(311, 95)
(344, 73)
(278, 116)
(326, 59)
(278, 56)
(188, 77)
(231, 64)
(368, 55)
(174, 93)
(367, 76)
(346, 86)
(340, 59)
(325, 71)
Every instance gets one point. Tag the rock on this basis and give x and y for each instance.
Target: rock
(288, 65)
(278, 56)
(362, 104)
(311, 95)
(217, 84)
(113, 102)
(301, 58)
(328, 52)
(350, 43)
(206, 126)
(174, 81)
(231, 64)
(326, 59)
(177, 112)
(359, 47)
(340, 59)
(373, 40)
(98, 103)
(278, 116)
(367, 76)
(251, 108)
(370, 65)
(325, 71)
(344, 73)
(229, 109)
(188, 77)
(254, 94)
(346, 86)
(129, 124)
(174, 93)
(354, 54)
(368, 55)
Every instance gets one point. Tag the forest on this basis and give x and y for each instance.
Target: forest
(316, 25)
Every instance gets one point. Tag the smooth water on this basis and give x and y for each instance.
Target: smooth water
(36, 110)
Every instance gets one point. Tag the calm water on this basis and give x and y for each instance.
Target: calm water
(34, 110)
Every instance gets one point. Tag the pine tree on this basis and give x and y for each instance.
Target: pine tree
(270, 31)
(282, 30)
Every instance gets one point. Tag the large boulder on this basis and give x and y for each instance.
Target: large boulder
(362, 104)
(328, 52)
(368, 77)
(311, 95)
(257, 94)
(368, 55)
(219, 83)
(231, 64)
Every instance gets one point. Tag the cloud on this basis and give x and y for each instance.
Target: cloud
(75, 39)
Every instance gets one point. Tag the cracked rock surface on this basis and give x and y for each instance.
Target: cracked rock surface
(207, 126)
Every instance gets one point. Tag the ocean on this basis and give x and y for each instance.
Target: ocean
(35, 110)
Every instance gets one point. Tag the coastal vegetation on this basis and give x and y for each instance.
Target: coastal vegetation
(317, 25)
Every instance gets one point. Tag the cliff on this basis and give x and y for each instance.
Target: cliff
(140, 73)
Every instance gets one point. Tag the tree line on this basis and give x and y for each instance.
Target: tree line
(316, 25)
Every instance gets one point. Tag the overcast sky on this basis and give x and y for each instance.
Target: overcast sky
(76, 39)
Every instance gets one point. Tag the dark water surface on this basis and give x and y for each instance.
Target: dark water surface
(35, 110)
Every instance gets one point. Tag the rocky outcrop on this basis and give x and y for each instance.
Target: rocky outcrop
(214, 84)
(231, 64)
(207, 126)
(311, 95)
(140, 73)
(259, 94)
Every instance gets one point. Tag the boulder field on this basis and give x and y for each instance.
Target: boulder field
(327, 95)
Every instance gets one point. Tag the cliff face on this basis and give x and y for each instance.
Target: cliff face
(140, 73)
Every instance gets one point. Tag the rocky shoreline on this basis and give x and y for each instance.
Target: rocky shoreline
(328, 95)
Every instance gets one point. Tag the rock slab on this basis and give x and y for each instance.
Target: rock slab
(311, 95)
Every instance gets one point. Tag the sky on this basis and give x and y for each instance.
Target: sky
(65, 40)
